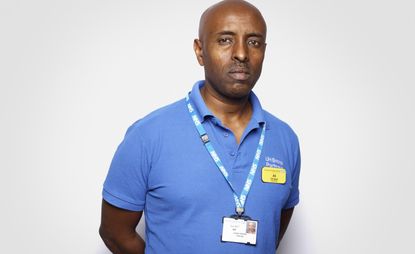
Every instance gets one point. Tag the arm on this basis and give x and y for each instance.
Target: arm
(117, 230)
(285, 220)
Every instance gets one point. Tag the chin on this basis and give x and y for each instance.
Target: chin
(241, 88)
(240, 92)
(232, 89)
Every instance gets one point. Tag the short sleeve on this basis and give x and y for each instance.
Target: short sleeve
(294, 197)
(126, 183)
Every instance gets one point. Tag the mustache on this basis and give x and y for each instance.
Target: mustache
(239, 68)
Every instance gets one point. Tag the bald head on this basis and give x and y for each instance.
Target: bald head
(225, 8)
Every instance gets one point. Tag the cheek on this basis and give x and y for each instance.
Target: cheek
(256, 59)
(216, 63)
(218, 57)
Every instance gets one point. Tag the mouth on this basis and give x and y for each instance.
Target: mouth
(241, 74)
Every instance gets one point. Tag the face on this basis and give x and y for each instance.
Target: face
(251, 227)
(231, 48)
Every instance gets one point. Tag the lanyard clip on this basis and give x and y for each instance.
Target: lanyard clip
(239, 211)
(204, 138)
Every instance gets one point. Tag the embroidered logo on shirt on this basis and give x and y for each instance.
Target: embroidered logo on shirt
(273, 162)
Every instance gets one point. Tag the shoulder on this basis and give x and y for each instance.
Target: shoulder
(159, 120)
(279, 127)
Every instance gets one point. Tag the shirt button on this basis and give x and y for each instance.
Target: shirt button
(226, 134)
(232, 153)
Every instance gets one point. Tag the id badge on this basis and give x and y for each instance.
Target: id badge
(239, 230)
(274, 175)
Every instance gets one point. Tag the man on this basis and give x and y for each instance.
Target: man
(251, 228)
(205, 167)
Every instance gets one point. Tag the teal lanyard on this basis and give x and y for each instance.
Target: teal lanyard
(239, 202)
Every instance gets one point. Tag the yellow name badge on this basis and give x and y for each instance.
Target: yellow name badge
(274, 175)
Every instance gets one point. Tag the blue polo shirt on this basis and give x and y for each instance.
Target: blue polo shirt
(162, 168)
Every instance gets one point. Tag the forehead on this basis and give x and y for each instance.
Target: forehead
(236, 20)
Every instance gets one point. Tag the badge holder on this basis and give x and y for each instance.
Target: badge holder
(239, 228)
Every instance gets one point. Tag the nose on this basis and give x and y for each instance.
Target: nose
(240, 52)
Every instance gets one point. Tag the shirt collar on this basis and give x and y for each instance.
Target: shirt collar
(204, 112)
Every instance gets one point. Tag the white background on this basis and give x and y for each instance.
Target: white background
(75, 74)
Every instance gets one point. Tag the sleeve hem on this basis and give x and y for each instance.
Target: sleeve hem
(116, 201)
(292, 203)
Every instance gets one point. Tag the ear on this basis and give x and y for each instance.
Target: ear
(197, 47)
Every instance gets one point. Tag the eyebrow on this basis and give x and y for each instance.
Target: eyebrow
(233, 33)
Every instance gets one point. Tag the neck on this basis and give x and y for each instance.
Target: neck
(230, 112)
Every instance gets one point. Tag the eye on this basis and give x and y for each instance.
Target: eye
(254, 43)
(225, 41)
